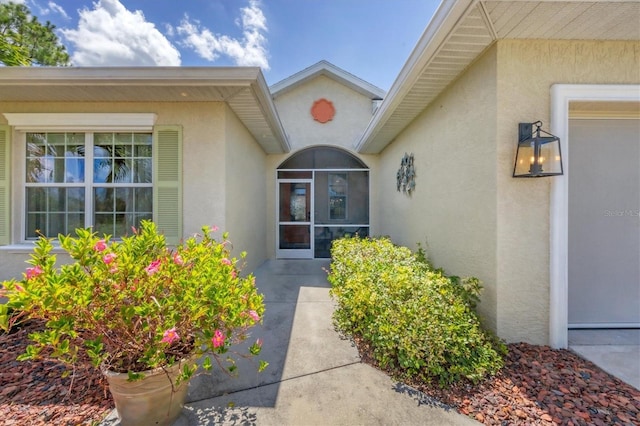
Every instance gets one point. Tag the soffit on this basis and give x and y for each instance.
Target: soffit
(243, 89)
(462, 29)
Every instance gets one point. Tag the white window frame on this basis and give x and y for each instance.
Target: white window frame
(90, 123)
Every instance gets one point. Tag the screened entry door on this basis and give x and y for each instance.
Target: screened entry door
(295, 218)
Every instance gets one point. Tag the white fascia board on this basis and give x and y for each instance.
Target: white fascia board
(79, 121)
(122, 76)
(327, 69)
(439, 28)
(263, 97)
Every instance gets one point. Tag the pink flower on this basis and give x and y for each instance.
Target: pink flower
(233, 274)
(218, 339)
(109, 258)
(34, 272)
(254, 316)
(225, 261)
(259, 343)
(100, 246)
(153, 268)
(214, 228)
(177, 259)
(170, 336)
(113, 269)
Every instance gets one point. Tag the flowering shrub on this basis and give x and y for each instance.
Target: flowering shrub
(134, 304)
(417, 320)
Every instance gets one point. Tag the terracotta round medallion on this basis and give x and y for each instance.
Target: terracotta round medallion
(323, 110)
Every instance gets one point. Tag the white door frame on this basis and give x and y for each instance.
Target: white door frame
(561, 96)
(295, 253)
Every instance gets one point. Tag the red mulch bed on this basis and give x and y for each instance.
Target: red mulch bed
(537, 386)
(34, 393)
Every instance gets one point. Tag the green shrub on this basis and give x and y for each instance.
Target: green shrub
(416, 319)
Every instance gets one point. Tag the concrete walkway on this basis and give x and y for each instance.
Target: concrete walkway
(314, 377)
(616, 351)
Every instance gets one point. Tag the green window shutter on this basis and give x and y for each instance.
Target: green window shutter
(5, 186)
(167, 181)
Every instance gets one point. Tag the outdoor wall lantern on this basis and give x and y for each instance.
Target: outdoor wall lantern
(538, 152)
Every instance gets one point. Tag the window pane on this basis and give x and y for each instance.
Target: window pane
(342, 197)
(294, 237)
(56, 199)
(143, 151)
(121, 225)
(101, 170)
(103, 200)
(287, 174)
(104, 224)
(36, 200)
(144, 200)
(58, 170)
(123, 138)
(138, 218)
(122, 150)
(118, 209)
(55, 144)
(74, 221)
(36, 222)
(142, 171)
(75, 199)
(142, 138)
(74, 155)
(57, 225)
(124, 200)
(102, 139)
(122, 171)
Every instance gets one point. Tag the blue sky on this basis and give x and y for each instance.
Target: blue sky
(371, 39)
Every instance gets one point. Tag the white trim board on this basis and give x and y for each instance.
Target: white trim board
(81, 121)
(561, 96)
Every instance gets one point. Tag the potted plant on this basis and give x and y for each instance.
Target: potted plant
(138, 310)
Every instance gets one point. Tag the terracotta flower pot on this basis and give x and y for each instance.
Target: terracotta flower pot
(150, 401)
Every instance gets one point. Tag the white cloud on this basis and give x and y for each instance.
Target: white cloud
(58, 9)
(51, 7)
(110, 34)
(250, 50)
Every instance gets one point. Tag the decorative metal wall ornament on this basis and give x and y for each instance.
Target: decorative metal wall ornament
(406, 175)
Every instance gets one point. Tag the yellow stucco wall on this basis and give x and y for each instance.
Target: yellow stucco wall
(453, 208)
(246, 198)
(526, 71)
(353, 113)
(476, 218)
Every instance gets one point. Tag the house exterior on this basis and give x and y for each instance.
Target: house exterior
(317, 156)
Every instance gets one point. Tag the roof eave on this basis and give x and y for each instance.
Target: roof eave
(443, 22)
(270, 136)
(327, 69)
